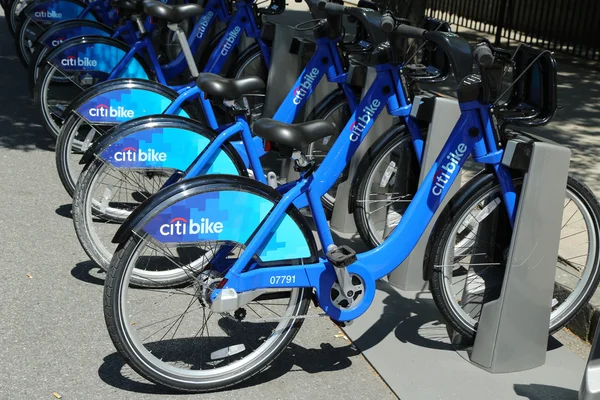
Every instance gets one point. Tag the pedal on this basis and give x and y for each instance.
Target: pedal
(341, 256)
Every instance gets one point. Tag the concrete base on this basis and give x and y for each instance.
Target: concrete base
(402, 339)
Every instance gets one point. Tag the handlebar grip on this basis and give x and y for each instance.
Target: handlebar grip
(483, 54)
(331, 8)
(387, 24)
(410, 31)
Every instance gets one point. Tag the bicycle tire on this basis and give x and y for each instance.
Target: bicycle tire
(117, 298)
(480, 187)
(396, 141)
(336, 102)
(84, 213)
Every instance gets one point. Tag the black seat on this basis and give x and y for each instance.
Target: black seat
(173, 14)
(129, 5)
(296, 136)
(229, 89)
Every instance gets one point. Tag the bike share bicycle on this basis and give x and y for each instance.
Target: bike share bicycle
(140, 99)
(248, 259)
(101, 59)
(38, 16)
(111, 181)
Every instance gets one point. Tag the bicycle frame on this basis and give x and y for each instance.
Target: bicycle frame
(472, 135)
(243, 21)
(325, 61)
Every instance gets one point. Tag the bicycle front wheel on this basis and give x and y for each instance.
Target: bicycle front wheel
(468, 250)
(170, 335)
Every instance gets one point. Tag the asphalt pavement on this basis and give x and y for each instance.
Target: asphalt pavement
(52, 335)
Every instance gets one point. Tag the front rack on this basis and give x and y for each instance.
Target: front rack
(533, 96)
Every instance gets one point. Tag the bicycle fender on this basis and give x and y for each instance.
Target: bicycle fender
(120, 100)
(97, 56)
(57, 34)
(367, 159)
(52, 11)
(213, 208)
(162, 142)
(463, 194)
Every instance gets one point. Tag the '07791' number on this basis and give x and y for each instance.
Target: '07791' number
(282, 279)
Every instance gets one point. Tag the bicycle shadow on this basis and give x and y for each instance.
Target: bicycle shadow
(116, 373)
(88, 272)
(65, 211)
(416, 321)
(534, 391)
(19, 118)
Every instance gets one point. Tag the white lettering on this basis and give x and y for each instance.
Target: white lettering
(204, 24)
(230, 40)
(130, 154)
(179, 226)
(444, 174)
(358, 127)
(306, 85)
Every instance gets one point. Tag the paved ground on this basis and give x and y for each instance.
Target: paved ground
(53, 337)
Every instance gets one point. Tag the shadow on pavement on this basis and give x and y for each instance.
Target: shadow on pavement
(326, 358)
(88, 272)
(412, 321)
(19, 119)
(536, 391)
(65, 211)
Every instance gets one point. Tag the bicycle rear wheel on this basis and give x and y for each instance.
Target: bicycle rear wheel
(169, 334)
(106, 195)
(469, 246)
(53, 96)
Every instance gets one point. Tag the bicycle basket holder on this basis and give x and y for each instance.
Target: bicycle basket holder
(532, 101)
(430, 64)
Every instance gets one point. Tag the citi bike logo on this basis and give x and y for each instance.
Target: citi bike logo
(57, 41)
(47, 14)
(358, 127)
(443, 175)
(204, 24)
(133, 154)
(181, 226)
(230, 40)
(72, 61)
(102, 110)
(306, 85)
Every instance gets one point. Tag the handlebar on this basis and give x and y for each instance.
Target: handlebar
(332, 8)
(483, 54)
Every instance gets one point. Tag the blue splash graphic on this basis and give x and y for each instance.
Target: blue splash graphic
(227, 216)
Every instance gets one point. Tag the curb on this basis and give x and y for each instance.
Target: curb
(585, 322)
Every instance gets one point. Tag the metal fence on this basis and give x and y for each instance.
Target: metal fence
(571, 26)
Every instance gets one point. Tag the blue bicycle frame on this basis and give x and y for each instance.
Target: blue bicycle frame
(325, 61)
(472, 135)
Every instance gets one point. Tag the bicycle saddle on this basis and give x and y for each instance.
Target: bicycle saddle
(172, 14)
(129, 5)
(296, 136)
(228, 89)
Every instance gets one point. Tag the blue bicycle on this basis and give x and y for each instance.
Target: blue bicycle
(39, 16)
(249, 262)
(112, 185)
(81, 129)
(88, 61)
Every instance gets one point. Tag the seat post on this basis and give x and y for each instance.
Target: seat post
(185, 47)
(139, 23)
